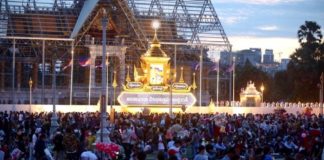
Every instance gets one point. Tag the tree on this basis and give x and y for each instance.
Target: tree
(281, 86)
(309, 33)
(305, 65)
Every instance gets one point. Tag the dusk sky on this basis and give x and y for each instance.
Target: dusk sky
(271, 24)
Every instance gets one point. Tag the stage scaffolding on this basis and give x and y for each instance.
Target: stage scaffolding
(33, 32)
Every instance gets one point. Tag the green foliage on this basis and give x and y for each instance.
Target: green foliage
(310, 32)
(282, 88)
(305, 66)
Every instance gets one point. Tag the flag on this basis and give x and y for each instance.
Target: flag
(85, 61)
(214, 68)
(194, 66)
(197, 67)
(68, 65)
(230, 69)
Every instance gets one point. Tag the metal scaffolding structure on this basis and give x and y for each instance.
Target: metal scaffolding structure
(33, 31)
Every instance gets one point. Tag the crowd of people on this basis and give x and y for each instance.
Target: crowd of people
(26, 135)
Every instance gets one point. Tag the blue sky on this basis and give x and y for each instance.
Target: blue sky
(271, 24)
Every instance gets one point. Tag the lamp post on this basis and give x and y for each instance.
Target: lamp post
(54, 123)
(217, 81)
(320, 85)
(30, 93)
(233, 105)
(262, 89)
(321, 92)
(103, 133)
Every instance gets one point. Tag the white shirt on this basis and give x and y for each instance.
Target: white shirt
(201, 157)
(34, 139)
(20, 117)
(220, 146)
(170, 144)
(126, 136)
(88, 155)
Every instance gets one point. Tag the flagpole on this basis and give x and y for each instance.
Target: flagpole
(217, 79)
(43, 72)
(107, 86)
(13, 75)
(175, 58)
(233, 81)
(89, 97)
(200, 76)
(71, 73)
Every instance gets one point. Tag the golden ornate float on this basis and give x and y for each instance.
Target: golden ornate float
(154, 83)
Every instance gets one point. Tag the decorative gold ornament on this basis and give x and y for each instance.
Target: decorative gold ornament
(194, 85)
(128, 79)
(115, 80)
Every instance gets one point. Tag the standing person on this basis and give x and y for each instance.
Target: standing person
(58, 146)
(201, 154)
(175, 150)
(126, 137)
(39, 148)
(266, 152)
(71, 145)
(195, 140)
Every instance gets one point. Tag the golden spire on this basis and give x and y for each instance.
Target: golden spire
(155, 47)
(194, 85)
(115, 81)
(135, 74)
(181, 76)
(128, 77)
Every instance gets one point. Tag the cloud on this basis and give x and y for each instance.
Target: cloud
(232, 19)
(234, 16)
(268, 28)
(279, 44)
(258, 2)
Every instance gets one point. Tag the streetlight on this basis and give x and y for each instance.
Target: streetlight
(321, 92)
(30, 93)
(320, 85)
(103, 133)
(233, 81)
(54, 118)
(217, 81)
(262, 89)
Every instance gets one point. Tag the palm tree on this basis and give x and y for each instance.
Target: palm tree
(310, 32)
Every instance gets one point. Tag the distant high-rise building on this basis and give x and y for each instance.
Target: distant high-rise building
(268, 57)
(284, 63)
(253, 55)
(258, 54)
